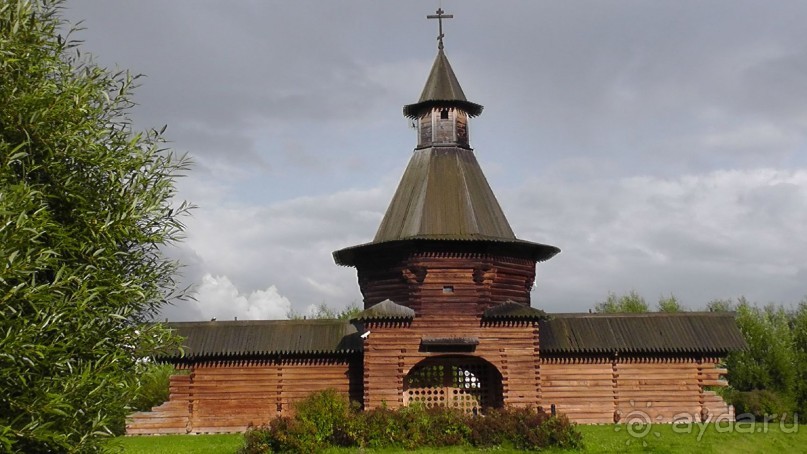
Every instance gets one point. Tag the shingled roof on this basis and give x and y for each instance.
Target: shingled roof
(442, 89)
(686, 332)
(560, 334)
(444, 196)
(265, 337)
(386, 310)
(513, 311)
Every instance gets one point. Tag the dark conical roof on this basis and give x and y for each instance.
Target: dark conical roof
(444, 197)
(443, 194)
(442, 89)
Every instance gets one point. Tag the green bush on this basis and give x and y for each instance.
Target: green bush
(524, 428)
(153, 386)
(378, 428)
(411, 427)
(445, 426)
(283, 434)
(326, 419)
(323, 410)
(761, 405)
(558, 431)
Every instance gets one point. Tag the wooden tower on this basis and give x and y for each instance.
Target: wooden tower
(445, 277)
(444, 244)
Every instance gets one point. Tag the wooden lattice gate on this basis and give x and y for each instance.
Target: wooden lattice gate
(466, 383)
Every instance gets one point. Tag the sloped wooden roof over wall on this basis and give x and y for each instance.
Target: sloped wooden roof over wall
(560, 334)
(220, 339)
(668, 333)
(513, 311)
(386, 310)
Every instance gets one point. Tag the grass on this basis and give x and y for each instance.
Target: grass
(661, 438)
(668, 438)
(180, 444)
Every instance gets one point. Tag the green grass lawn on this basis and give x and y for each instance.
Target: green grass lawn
(663, 438)
(180, 444)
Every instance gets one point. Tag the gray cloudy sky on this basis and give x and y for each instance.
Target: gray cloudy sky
(662, 145)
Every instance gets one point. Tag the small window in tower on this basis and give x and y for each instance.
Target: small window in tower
(444, 114)
(448, 289)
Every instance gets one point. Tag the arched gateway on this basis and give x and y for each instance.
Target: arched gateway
(467, 383)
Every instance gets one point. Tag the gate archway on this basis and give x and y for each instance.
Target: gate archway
(466, 383)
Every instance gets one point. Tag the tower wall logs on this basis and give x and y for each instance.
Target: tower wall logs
(461, 283)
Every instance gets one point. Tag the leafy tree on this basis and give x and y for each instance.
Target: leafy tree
(799, 326)
(769, 361)
(85, 208)
(631, 302)
(323, 311)
(764, 379)
(670, 304)
(720, 306)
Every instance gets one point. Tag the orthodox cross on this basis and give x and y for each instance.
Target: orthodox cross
(440, 16)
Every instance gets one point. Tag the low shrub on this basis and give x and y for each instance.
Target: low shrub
(559, 432)
(378, 428)
(326, 419)
(761, 405)
(283, 434)
(524, 428)
(323, 410)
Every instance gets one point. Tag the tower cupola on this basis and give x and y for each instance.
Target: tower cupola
(441, 114)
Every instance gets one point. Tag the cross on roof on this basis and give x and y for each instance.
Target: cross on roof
(440, 16)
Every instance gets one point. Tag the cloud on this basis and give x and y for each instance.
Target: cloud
(701, 236)
(286, 245)
(218, 297)
(650, 141)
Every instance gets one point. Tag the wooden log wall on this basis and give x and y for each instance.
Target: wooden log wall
(220, 397)
(658, 389)
(419, 279)
(229, 396)
(710, 375)
(581, 388)
(172, 417)
(393, 349)
(650, 389)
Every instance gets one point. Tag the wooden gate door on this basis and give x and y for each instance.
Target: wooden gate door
(468, 384)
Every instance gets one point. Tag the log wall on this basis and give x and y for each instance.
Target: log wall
(419, 280)
(218, 397)
(649, 389)
(581, 388)
(230, 396)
